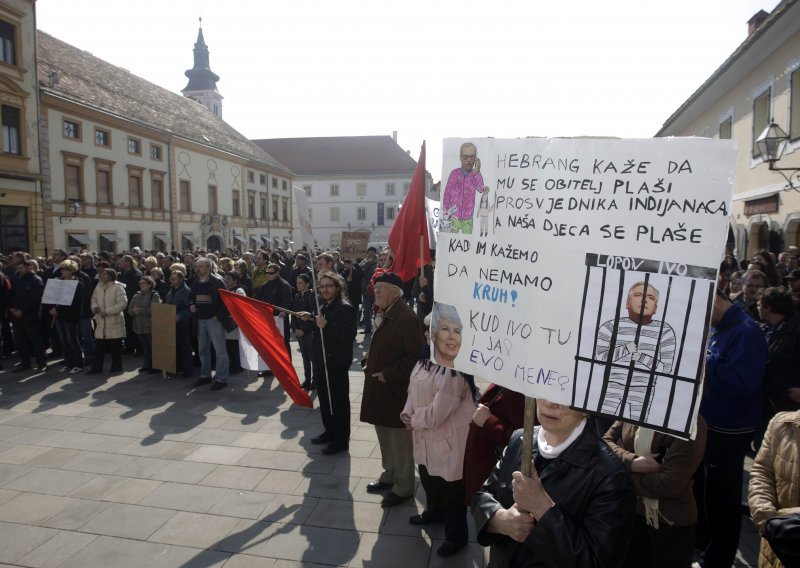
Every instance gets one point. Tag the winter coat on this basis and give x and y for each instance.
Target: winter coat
(783, 366)
(143, 301)
(26, 295)
(393, 351)
(440, 407)
(339, 333)
(485, 442)
(672, 486)
(735, 362)
(179, 297)
(591, 522)
(304, 303)
(775, 478)
(111, 299)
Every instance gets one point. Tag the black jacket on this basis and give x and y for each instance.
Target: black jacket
(276, 292)
(304, 303)
(26, 294)
(339, 333)
(783, 365)
(131, 280)
(591, 522)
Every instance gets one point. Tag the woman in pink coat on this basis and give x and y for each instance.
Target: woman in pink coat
(440, 405)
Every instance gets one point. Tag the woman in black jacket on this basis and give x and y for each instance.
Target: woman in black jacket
(303, 301)
(576, 509)
(67, 319)
(336, 328)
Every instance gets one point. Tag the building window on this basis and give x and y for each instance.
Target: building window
(102, 138)
(262, 179)
(285, 208)
(761, 116)
(73, 177)
(251, 176)
(726, 129)
(390, 214)
(156, 153)
(334, 190)
(134, 146)
(274, 208)
(389, 189)
(160, 243)
(11, 130)
(406, 185)
(361, 214)
(284, 185)
(335, 214)
(263, 207)
(307, 189)
(251, 205)
(235, 203)
(157, 192)
(8, 43)
(361, 190)
(103, 178)
(794, 105)
(135, 187)
(108, 242)
(135, 240)
(185, 195)
(275, 182)
(213, 206)
(72, 129)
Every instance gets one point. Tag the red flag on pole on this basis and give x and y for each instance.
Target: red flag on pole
(257, 322)
(411, 228)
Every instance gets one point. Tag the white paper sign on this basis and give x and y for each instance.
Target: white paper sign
(432, 209)
(301, 202)
(583, 270)
(59, 292)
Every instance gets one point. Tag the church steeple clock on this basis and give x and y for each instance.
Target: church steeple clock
(202, 86)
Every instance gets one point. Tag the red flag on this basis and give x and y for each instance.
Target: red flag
(411, 224)
(256, 321)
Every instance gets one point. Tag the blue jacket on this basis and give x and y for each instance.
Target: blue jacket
(735, 364)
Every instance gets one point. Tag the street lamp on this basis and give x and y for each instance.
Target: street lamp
(72, 211)
(771, 145)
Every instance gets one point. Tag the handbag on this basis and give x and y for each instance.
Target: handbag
(783, 535)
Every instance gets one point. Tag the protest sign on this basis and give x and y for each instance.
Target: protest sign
(164, 341)
(354, 244)
(301, 205)
(432, 208)
(583, 270)
(59, 292)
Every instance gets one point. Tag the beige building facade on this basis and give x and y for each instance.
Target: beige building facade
(757, 84)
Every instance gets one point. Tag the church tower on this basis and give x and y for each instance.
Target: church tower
(202, 85)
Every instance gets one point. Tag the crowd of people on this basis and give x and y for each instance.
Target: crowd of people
(596, 496)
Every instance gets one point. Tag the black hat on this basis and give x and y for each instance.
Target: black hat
(372, 249)
(794, 274)
(390, 278)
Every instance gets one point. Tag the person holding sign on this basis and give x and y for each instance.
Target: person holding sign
(462, 186)
(576, 509)
(440, 403)
(66, 319)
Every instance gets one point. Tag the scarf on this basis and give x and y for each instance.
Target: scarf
(551, 452)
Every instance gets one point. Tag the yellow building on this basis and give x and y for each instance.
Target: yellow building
(22, 220)
(758, 84)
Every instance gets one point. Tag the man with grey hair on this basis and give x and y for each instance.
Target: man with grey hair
(637, 347)
(753, 282)
(207, 306)
(394, 350)
(462, 186)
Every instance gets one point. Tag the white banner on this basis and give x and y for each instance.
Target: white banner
(582, 270)
(432, 209)
(59, 292)
(304, 222)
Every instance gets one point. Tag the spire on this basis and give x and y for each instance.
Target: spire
(202, 85)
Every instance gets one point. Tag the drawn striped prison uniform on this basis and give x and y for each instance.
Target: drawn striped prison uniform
(618, 377)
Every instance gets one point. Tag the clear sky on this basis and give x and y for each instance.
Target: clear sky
(429, 69)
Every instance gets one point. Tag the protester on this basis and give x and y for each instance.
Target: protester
(303, 301)
(178, 296)
(753, 282)
(67, 318)
(210, 312)
(368, 266)
(130, 275)
(351, 272)
(440, 404)
(662, 468)
(277, 292)
(775, 481)
(576, 509)
(793, 282)
(770, 269)
(108, 305)
(499, 413)
(232, 336)
(141, 310)
(336, 328)
(387, 368)
(731, 405)
(778, 309)
(24, 304)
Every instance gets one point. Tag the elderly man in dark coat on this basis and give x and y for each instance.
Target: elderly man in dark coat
(392, 354)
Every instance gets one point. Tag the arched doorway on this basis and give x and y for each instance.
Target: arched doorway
(757, 238)
(213, 243)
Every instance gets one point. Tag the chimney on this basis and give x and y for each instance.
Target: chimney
(755, 22)
(394, 135)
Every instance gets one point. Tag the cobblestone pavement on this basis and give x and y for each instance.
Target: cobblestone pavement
(138, 470)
